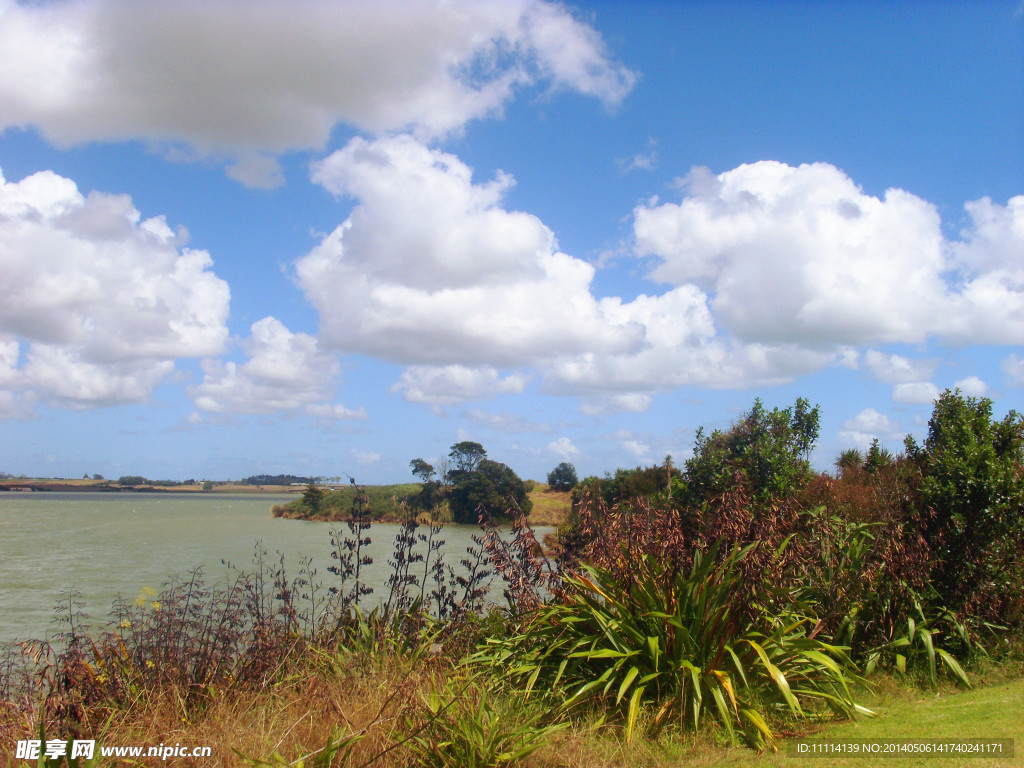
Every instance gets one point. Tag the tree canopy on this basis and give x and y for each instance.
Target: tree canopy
(466, 456)
(492, 487)
(770, 449)
(563, 477)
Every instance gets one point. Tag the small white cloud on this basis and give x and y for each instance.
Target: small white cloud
(641, 161)
(334, 412)
(641, 451)
(972, 386)
(505, 422)
(915, 393)
(895, 369)
(1013, 369)
(564, 447)
(449, 384)
(866, 426)
(285, 371)
(365, 457)
(600, 405)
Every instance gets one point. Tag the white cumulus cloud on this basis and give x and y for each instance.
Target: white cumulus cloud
(284, 371)
(915, 393)
(803, 255)
(564, 447)
(429, 268)
(248, 80)
(896, 369)
(972, 386)
(866, 426)
(99, 300)
(450, 384)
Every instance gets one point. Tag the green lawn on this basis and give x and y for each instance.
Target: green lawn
(988, 712)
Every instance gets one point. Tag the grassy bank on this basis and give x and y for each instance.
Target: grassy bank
(395, 707)
(392, 503)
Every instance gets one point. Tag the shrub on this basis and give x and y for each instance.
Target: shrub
(974, 486)
(471, 727)
(768, 448)
(677, 640)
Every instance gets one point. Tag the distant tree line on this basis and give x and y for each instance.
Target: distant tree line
(278, 480)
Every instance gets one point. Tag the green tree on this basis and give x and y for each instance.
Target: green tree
(769, 449)
(466, 456)
(878, 457)
(422, 470)
(492, 488)
(563, 477)
(313, 498)
(974, 487)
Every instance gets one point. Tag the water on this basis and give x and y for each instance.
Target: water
(121, 543)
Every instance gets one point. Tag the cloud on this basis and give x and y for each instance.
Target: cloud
(504, 422)
(284, 371)
(895, 369)
(564, 447)
(641, 161)
(1013, 369)
(605, 403)
(802, 255)
(429, 268)
(99, 301)
(866, 426)
(365, 458)
(450, 384)
(639, 450)
(915, 393)
(247, 81)
(972, 386)
(774, 272)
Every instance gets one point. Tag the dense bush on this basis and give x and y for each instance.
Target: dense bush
(973, 488)
(770, 449)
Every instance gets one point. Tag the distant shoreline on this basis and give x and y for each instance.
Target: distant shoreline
(109, 486)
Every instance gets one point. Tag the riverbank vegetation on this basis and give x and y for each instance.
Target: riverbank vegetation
(739, 600)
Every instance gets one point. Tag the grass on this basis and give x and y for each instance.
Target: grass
(550, 508)
(384, 503)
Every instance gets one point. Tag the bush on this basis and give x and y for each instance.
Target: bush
(974, 488)
(768, 448)
(678, 640)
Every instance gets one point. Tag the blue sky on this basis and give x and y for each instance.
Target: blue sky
(324, 238)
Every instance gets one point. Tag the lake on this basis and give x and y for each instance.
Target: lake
(105, 544)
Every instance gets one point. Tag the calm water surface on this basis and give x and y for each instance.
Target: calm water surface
(120, 543)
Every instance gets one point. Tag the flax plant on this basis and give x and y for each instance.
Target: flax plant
(677, 642)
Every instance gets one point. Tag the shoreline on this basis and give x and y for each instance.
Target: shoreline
(107, 486)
